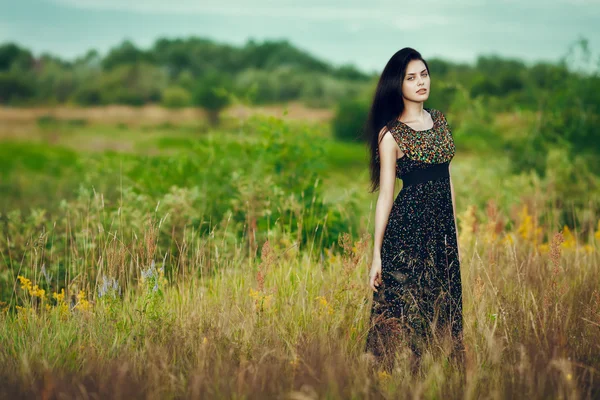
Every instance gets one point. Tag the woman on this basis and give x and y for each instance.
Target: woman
(415, 272)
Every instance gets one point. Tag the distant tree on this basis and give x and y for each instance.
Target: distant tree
(484, 85)
(14, 57)
(133, 84)
(212, 93)
(15, 87)
(349, 71)
(125, 53)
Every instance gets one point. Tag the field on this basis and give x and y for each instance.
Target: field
(146, 254)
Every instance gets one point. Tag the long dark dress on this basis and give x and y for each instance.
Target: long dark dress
(421, 293)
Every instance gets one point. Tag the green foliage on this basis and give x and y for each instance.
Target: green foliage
(133, 84)
(569, 117)
(350, 117)
(265, 180)
(176, 97)
(211, 91)
(125, 54)
(15, 87)
(15, 58)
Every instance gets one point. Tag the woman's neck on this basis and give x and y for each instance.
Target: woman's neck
(413, 112)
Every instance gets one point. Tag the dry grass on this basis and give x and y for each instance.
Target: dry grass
(292, 326)
(153, 114)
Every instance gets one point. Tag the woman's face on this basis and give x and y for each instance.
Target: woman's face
(415, 86)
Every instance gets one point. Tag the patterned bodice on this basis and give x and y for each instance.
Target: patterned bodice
(422, 148)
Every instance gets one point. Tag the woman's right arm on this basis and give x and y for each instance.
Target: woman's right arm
(388, 153)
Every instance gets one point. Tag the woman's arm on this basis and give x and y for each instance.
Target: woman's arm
(388, 153)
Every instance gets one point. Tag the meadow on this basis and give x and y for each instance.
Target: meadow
(146, 254)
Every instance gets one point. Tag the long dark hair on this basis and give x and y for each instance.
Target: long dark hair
(387, 104)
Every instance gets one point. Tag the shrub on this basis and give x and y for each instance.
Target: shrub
(176, 97)
(350, 117)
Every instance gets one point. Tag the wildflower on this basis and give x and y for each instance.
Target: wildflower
(25, 283)
(557, 242)
(33, 290)
(261, 299)
(569, 239)
(60, 297)
(149, 273)
(82, 303)
(155, 275)
(383, 376)
(45, 273)
(109, 286)
(324, 305)
(544, 248)
(468, 224)
(508, 239)
(528, 228)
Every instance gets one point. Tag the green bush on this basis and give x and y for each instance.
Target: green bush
(176, 97)
(350, 117)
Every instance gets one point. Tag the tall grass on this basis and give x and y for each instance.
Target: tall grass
(142, 296)
(286, 323)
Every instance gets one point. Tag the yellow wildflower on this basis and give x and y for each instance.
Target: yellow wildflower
(63, 307)
(508, 239)
(569, 241)
(261, 299)
(528, 228)
(468, 224)
(82, 302)
(25, 283)
(324, 305)
(24, 312)
(384, 376)
(60, 297)
(32, 290)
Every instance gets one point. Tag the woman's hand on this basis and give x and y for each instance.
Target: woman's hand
(375, 274)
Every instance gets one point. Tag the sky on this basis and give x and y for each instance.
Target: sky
(363, 33)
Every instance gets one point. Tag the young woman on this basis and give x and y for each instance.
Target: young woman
(415, 272)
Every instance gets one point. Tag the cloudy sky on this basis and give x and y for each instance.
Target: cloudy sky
(365, 33)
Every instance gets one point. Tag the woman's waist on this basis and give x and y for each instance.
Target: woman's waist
(422, 175)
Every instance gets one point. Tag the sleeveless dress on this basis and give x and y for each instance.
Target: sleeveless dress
(421, 294)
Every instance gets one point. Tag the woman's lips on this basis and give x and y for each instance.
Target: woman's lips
(421, 91)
